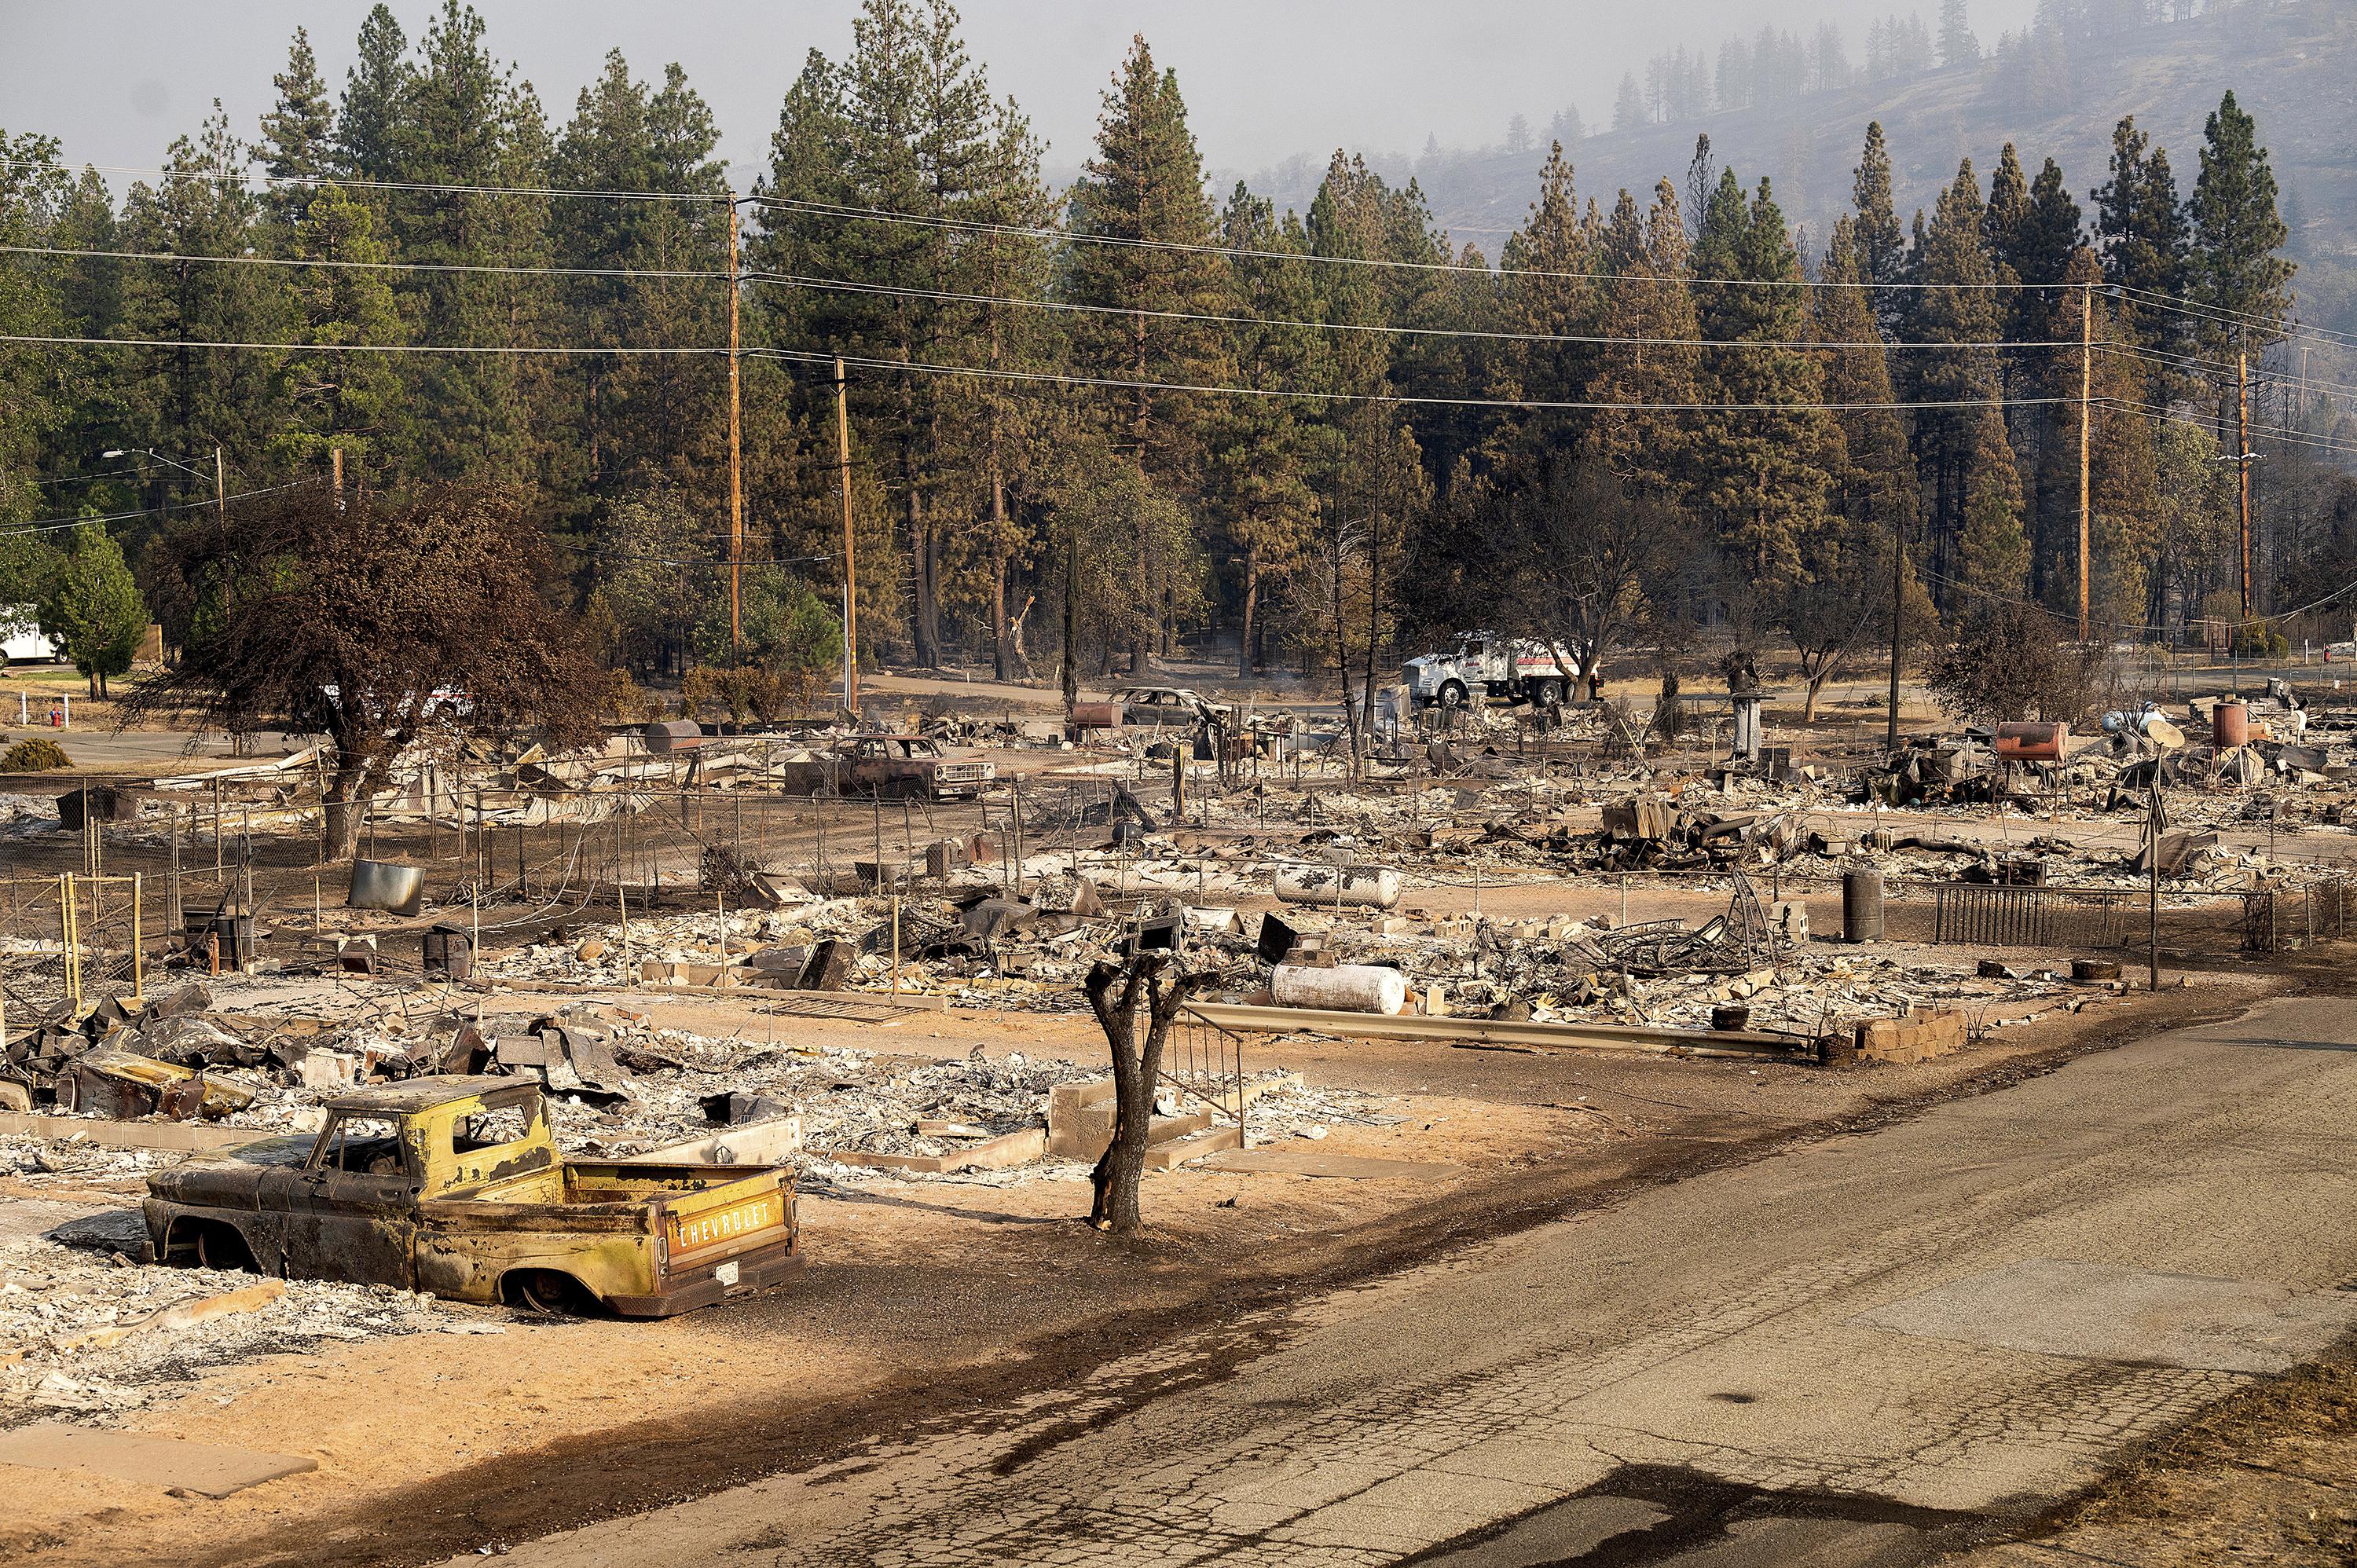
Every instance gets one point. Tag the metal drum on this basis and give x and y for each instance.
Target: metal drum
(448, 952)
(2230, 724)
(1862, 907)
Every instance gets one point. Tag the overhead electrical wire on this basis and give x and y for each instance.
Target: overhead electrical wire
(705, 273)
(249, 177)
(53, 524)
(2290, 328)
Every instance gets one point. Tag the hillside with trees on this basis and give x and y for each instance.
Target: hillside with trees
(1698, 399)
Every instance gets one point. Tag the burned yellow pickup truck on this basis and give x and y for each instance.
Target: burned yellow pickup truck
(452, 1184)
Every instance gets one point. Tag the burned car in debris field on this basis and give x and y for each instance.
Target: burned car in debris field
(893, 766)
(1170, 707)
(452, 1184)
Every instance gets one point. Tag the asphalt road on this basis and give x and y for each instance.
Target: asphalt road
(1864, 1351)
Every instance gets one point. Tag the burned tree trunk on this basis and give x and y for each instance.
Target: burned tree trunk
(1136, 1065)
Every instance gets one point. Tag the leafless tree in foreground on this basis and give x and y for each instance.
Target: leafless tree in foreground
(1113, 993)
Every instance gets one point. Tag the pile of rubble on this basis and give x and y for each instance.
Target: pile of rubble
(88, 1337)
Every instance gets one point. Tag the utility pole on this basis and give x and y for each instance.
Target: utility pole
(1898, 617)
(220, 493)
(850, 555)
(2086, 391)
(335, 471)
(2243, 464)
(736, 463)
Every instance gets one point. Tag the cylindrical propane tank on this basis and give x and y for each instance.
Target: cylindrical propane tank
(1344, 988)
(1362, 886)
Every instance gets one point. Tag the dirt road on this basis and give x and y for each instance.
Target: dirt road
(1860, 1351)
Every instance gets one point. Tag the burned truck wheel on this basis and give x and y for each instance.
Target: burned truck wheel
(1452, 693)
(547, 1290)
(209, 1244)
(1548, 694)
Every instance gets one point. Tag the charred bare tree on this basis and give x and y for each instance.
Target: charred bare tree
(379, 626)
(1114, 990)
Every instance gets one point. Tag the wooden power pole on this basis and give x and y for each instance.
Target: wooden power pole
(735, 462)
(1898, 628)
(336, 469)
(2242, 464)
(2086, 395)
(850, 557)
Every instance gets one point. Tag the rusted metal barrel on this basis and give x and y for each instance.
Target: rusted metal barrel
(1097, 715)
(1862, 906)
(2230, 724)
(2044, 742)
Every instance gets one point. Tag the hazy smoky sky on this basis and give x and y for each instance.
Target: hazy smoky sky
(1265, 80)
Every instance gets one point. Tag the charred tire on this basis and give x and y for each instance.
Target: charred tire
(1452, 693)
(547, 1290)
(1548, 694)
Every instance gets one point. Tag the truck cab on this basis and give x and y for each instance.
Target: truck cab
(1486, 668)
(453, 1185)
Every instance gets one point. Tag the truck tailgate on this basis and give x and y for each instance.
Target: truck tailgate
(701, 1228)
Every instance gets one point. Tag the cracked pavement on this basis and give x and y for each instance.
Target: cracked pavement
(1869, 1348)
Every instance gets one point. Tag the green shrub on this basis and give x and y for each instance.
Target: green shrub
(35, 754)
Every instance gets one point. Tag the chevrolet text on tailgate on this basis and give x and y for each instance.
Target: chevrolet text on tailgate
(452, 1184)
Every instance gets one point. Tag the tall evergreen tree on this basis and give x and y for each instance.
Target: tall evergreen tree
(2238, 269)
(1762, 473)
(1144, 181)
(375, 103)
(1547, 265)
(1643, 441)
(1957, 304)
(1262, 448)
(2140, 235)
(297, 135)
(1881, 243)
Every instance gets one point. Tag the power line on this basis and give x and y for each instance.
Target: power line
(1060, 379)
(2237, 317)
(849, 285)
(704, 274)
(53, 524)
(362, 347)
(329, 182)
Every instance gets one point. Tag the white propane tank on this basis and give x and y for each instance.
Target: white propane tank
(1345, 988)
(1364, 887)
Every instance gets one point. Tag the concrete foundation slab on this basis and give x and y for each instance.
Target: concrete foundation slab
(2102, 1312)
(204, 1468)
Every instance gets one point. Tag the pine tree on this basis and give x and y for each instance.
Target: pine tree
(1874, 497)
(339, 395)
(375, 105)
(1144, 181)
(1992, 553)
(33, 189)
(1261, 449)
(1008, 423)
(1762, 475)
(1958, 46)
(184, 401)
(1881, 244)
(1642, 442)
(297, 135)
(2238, 268)
(635, 416)
(1546, 265)
(1957, 304)
(2140, 234)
